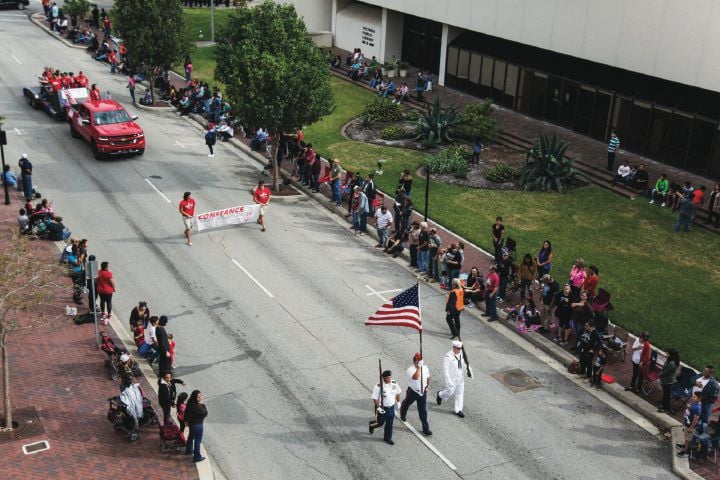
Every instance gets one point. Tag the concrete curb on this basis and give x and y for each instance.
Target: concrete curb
(154, 109)
(679, 466)
(56, 36)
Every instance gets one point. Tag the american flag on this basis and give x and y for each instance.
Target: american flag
(401, 311)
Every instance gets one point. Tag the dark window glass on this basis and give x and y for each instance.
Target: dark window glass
(552, 103)
(715, 159)
(600, 116)
(511, 85)
(537, 95)
(585, 106)
(659, 127)
(568, 104)
(620, 119)
(701, 138)
(524, 91)
(452, 61)
(639, 120)
(678, 139)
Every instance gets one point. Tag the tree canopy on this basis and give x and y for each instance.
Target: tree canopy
(154, 32)
(276, 77)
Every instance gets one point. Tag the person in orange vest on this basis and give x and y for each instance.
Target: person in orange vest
(455, 304)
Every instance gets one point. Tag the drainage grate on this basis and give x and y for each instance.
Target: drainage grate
(158, 177)
(26, 424)
(36, 447)
(516, 380)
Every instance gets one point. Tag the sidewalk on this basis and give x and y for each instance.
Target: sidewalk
(59, 372)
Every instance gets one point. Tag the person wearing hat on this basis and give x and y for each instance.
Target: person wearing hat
(187, 210)
(642, 350)
(418, 379)
(126, 375)
(453, 369)
(385, 407)
(26, 170)
(453, 306)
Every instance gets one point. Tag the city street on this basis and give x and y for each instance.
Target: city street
(270, 326)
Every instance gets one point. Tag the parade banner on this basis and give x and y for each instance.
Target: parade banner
(228, 216)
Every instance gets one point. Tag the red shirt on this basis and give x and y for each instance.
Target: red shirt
(493, 282)
(262, 195)
(698, 196)
(81, 80)
(589, 285)
(103, 282)
(187, 207)
(95, 94)
(112, 57)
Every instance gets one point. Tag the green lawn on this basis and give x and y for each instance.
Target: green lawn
(199, 20)
(661, 281)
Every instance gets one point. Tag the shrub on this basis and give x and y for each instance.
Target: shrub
(548, 168)
(412, 115)
(393, 132)
(501, 173)
(437, 125)
(365, 122)
(382, 110)
(476, 121)
(450, 161)
(460, 150)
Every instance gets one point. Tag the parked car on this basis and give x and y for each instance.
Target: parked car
(19, 4)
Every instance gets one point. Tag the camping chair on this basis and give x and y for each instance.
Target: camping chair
(682, 388)
(652, 381)
(601, 303)
(511, 246)
(617, 343)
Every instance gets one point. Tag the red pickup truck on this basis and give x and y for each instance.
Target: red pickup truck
(107, 126)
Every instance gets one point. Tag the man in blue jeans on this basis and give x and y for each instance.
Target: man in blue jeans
(708, 395)
(493, 285)
(335, 172)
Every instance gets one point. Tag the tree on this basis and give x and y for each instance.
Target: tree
(276, 77)
(154, 32)
(29, 283)
(76, 8)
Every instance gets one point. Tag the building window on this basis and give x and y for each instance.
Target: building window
(511, 86)
(657, 137)
(452, 61)
(701, 140)
(601, 114)
(537, 95)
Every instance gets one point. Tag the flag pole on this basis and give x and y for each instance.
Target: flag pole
(422, 389)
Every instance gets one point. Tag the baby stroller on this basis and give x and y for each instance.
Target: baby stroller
(171, 438)
(131, 411)
(112, 363)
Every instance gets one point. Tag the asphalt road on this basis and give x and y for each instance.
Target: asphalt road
(287, 369)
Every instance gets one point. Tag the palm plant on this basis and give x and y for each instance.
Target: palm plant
(437, 125)
(547, 168)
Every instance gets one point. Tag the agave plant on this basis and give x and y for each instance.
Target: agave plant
(437, 125)
(547, 168)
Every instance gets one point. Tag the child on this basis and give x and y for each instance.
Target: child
(172, 350)
(139, 334)
(180, 405)
(598, 367)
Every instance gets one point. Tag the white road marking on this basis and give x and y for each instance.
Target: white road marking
(179, 144)
(17, 131)
(16, 59)
(253, 278)
(11, 20)
(429, 445)
(158, 191)
(373, 292)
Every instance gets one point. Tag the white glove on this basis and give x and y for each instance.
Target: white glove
(397, 406)
(421, 363)
(380, 411)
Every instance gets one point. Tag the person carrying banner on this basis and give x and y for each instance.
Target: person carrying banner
(385, 395)
(417, 373)
(453, 365)
(261, 196)
(187, 210)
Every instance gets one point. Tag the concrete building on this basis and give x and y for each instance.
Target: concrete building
(644, 67)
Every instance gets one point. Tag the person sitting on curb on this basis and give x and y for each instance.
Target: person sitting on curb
(690, 423)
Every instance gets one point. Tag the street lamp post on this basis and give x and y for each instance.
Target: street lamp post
(427, 187)
(212, 21)
(3, 142)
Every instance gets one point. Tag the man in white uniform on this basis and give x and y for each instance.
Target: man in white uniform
(453, 367)
(386, 408)
(417, 373)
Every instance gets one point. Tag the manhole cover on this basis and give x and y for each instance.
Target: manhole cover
(28, 425)
(516, 380)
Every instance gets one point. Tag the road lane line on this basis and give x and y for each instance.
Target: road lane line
(373, 292)
(178, 143)
(429, 445)
(16, 59)
(17, 131)
(252, 278)
(158, 191)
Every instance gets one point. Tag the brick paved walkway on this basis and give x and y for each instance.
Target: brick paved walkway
(59, 371)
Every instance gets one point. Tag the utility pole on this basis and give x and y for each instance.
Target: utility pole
(212, 21)
(3, 142)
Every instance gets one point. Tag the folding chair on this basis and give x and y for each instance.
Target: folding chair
(682, 388)
(652, 381)
(601, 303)
(617, 343)
(511, 246)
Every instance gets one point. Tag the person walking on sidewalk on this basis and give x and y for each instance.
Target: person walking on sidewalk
(131, 87)
(166, 394)
(453, 307)
(210, 138)
(106, 288)
(195, 414)
(26, 170)
(261, 196)
(453, 369)
(385, 406)
(416, 392)
(613, 145)
(187, 210)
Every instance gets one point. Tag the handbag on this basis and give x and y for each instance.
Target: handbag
(573, 367)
